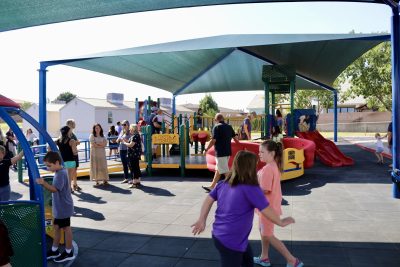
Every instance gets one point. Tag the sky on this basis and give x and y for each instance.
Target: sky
(22, 50)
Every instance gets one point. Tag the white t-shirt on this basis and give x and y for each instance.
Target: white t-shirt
(379, 143)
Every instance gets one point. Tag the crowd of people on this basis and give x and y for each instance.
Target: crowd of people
(240, 191)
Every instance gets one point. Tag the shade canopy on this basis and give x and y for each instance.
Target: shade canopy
(16, 14)
(231, 62)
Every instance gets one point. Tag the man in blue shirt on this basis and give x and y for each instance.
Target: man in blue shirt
(222, 135)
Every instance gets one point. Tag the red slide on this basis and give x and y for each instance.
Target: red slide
(326, 150)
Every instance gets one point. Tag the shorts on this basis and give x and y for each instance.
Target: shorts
(69, 164)
(379, 150)
(62, 223)
(222, 164)
(266, 226)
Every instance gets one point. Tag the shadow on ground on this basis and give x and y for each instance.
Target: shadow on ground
(104, 248)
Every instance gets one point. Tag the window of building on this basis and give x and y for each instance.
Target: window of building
(110, 117)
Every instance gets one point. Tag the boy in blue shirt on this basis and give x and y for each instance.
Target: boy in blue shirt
(5, 163)
(63, 207)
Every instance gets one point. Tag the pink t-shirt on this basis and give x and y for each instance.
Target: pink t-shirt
(269, 178)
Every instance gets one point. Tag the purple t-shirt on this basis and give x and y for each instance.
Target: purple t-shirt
(235, 212)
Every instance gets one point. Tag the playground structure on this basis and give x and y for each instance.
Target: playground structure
(294, 156)
(281, 79)
(26, 219)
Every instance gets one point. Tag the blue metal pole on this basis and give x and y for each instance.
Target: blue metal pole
(396, 99)
(173, 105)
(42, 100)
(266, 111)
(137, 110)
(335, 116)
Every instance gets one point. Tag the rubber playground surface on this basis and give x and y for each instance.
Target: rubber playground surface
(344, 217)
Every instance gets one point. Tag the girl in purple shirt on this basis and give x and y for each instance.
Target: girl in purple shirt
(237, 197)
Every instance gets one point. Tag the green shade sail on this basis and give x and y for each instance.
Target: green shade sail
(231, 62)
(16, 14)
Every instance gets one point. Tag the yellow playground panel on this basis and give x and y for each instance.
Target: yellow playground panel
(292, 163)
(164, 140)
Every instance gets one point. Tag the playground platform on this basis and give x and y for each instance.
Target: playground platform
(344, 217)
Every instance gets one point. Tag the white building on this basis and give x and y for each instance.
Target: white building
(88, 111)
(257, 104)
(53, 118)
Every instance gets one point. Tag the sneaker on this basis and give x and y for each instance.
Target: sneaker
(53, 254)
(262, 262)
(124, 181)
(65, 256)
(297, 264)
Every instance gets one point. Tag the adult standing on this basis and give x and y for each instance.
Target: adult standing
(390, 140)
(155, 127)
(30, 136)
(199, 119)
(222, 135)
(11, 145)
(98, 162)
(279, 119)
(134, 145)
(119, 127)
(66, 145)
(123, 137)
(71, 124)
(112, 140)
(245, 133)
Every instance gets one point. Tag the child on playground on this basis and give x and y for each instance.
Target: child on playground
(379, 147)
(5, 163)
(63, 207)
(237, 197)
(269, 178)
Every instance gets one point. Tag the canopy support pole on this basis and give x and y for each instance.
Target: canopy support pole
(173, 105)
(42, 100)
(273, 103)
(395, 99)
(335, 116)
(266, 110)
(291, 122)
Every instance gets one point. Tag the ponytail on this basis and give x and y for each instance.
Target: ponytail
(279, 155)
(277, 147)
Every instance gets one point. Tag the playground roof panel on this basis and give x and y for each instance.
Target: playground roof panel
(16, 14)
(231, 62)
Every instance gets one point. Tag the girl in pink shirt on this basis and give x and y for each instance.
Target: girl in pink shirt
(269, 178)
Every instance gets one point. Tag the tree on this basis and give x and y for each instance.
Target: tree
(303, 99)
(25, 105)
(66, 96)
(208, 105)
(370, 77)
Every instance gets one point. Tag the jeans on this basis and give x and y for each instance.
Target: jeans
(124, 159)
(233, 258)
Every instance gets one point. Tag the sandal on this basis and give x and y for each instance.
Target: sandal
(105, 183)
(77, 188)
(134, 185)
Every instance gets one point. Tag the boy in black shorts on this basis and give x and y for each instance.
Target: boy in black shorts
(63, 207)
